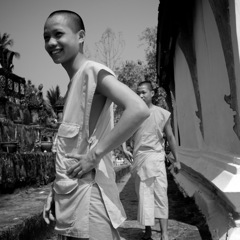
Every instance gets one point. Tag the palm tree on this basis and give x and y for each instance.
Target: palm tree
(6, 55)
(53, 95)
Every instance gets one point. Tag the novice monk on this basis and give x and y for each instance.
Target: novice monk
(84, 199)
(148, 167)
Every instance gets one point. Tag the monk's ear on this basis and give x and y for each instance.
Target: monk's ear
(81, 35)
(152, 93)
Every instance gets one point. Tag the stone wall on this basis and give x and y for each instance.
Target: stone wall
(22, 170)
(25, 135)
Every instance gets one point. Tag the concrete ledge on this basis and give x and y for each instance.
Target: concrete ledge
(21, 212)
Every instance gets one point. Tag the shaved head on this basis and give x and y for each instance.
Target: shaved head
(147, 83)
(74, 20)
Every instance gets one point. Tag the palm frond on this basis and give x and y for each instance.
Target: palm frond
(5, 41)
(17, 55)
(53, 95)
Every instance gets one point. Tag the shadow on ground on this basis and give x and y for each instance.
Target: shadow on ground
(183, 209)
(186, 222)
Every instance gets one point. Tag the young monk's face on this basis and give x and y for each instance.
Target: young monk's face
(61, 42)
(145, 93)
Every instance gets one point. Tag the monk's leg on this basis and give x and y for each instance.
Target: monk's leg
(100, 226)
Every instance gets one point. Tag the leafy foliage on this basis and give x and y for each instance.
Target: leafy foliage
(33, 99)
(131, 74)
(5, 41)
(33, 96)
(53, 95)
(6, 55)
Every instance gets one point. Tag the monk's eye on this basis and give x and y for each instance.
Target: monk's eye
(46, 38)
(58, 35)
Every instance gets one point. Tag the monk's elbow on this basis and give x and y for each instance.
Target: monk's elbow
(143, 112)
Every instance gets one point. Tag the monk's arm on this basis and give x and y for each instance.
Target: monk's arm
(135, 111)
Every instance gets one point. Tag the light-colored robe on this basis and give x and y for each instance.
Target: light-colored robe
(72, 196)
(149, 167)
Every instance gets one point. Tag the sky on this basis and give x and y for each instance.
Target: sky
(24, 21)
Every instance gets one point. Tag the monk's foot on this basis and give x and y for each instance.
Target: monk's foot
(146, 238)
(164, 237)
(148, 233)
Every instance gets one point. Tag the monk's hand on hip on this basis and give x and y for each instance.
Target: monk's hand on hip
(85, 164)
